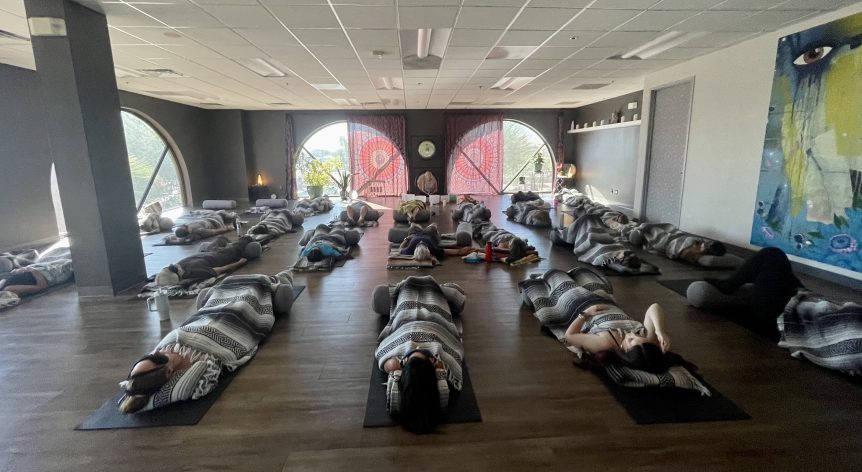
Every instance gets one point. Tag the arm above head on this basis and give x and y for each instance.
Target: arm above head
(654, 323)
(592, 343)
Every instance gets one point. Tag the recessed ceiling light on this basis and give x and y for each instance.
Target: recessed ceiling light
(591, 86)
(328, 86)
(573, 37)
(261, 67)
(511, 83)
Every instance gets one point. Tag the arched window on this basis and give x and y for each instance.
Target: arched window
(327, 146)
(155, 174)
(528, 163)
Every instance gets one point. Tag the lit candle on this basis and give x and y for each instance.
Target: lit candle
(259, 179)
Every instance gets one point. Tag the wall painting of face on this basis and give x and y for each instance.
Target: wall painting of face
(809, 198)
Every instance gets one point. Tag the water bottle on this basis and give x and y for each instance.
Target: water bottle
(489, 253)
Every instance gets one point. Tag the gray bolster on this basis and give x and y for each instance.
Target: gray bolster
(397, 235)
(351, 237)
(219, 204)
(296, 218)
(464, 234)
(421, 216)
(399, 217)
(702, 294)
(252, 250)
(271, 202)
(727, 261)
(165, 223)
(203, 295)
(452, 294)
(343, 216)
(381, 301)
(282, 299)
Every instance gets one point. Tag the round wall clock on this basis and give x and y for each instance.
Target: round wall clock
(426, 149)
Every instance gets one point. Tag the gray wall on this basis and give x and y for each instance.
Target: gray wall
(265, 149)
(225, 156)
(606, 159)
(27, 211)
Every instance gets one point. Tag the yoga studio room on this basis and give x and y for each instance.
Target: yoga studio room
(389, 235)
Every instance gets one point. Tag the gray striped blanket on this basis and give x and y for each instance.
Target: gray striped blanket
(663, 238)
(522, 196)
(223, 334)
(471, 212)
(202, 224)
(565, 194)
(531, 213)
(593, 242)
(277, 221)
(421, 317)
(314, 206)
(582, 205)
(338, 238)
(826, 333)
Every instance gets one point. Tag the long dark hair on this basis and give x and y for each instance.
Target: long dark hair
(140, 386)
(420, 399)
(647, 357)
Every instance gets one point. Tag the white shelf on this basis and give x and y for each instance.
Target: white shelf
(601, 127)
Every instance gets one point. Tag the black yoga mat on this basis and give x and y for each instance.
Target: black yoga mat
(645, 269)
(678, 286)
(652, 405)
(177, 414)
(463, 407)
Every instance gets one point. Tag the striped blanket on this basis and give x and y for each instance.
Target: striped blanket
(314, 206)
(201, 224)
(593, 242)
(223, 334)
(663, 238)
(582, 205)
(530, 212)
(335, 237)
(471, 212)
(276, 222)
(826, 333)
(421, 317)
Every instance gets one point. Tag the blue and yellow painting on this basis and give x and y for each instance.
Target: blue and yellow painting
(809, 198)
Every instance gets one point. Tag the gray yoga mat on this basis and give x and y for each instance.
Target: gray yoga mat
(186, 413)
(463, 407)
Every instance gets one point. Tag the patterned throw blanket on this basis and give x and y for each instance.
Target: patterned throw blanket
(421, 317)
(10, 261)
(663, 238)
(223, 334)
(594, 243)
(471, 212)
(315, 206)
(530, 212)
(336, 238)
(582, 205)
(187, 288)
(276, 222)
(826, 333)
(202, 224)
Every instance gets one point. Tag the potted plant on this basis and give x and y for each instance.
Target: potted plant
(342, 179)
(315, 175)
(537, 164)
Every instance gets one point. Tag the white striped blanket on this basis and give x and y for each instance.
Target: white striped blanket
(593, 242)
(314, 206)
(421, 317)
(663, 238)
(531, 213)
(826, 333)
(582, 205)
(202, 224)
(471, 212)
(337, 237)
(276, 222)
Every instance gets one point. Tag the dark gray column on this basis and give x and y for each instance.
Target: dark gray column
(76, 75)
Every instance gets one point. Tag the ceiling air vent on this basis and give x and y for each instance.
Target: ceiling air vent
(10, 35)
(591, 86)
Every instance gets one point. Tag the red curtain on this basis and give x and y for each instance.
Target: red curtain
(561, 141)
(474, 153)
(376, 147)
(290, 152)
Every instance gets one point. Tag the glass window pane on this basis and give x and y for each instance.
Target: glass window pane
(166, 187)
(327, 144)
(145, 147)
(521, 148)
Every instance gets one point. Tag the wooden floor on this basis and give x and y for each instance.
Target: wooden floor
(300, 403)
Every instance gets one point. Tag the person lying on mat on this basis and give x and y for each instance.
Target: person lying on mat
(324, 241)
(594, 243)
(810, 325)
(502, 240)
(411, 208)
(673, 243)
(314, 206)
(207, 226)
(232, 318)
(221, 257)
(422, 243)
(360, 212)
(36, 277)
(420, 349)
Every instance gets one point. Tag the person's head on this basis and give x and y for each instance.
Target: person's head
(639, 353)
(420, 399)
(315, 255)
(6, 265)
(421, 253)
(182, 231)
(170, 275)
(147, 376)
(714, 248)
(630, 259)
(260, 229)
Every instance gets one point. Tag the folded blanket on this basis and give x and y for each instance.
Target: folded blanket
(185, 289)
(397, 260)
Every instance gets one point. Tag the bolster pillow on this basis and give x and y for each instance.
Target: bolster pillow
(351, 237)
(421, 216)
(282, 299)
(464, 234)
(219, 204)
(381, 300)
(271, 202)
(397, 235)
(252, 250)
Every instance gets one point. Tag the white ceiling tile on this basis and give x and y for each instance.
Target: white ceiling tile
(524, 38)
(749, 4)
(486, 17)
(553, 53)
(332, 52)
(474, 37)
(427, 17)
(560, 3)
(595, 53)
(624, 39)
(215, 36)
(461, 63)
(772, 19)
(543, 64)
(719, 40)
(354, 16)
(194, 51)
(267, 37)
(692, 5)
(608, 65)
(465, 52)
(145, 51)
(374, 38)
(546, 19)
(180, 15)
(427, 73)
(581, 38)
(490, 73)
(655, 20)
(14, 7)
(820, 4)
(500, 64)
(623, 4)
(454, 73)
(230, 2)
(321, 37)
(576, 64)
(120, 14)
(716, 21)
(601, 20)
(306, 16)
(118, 37)
(243, 16)
(684, 53)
